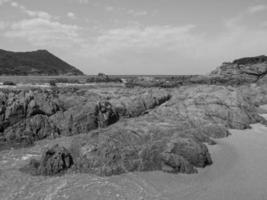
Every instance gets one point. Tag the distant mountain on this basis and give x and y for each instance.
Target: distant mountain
(40, 62)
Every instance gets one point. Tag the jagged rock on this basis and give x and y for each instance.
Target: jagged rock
(251, 60)
(76, 120)
(138, 105)
(251, 69)
(120, 150)
(19, 106)
(47, 103)
(255, 93)
(54, 161)
(103, 78)
(158, 130)
(173, 163)
(195, 153)
(106, 114)
(39, 126)
(210, 106)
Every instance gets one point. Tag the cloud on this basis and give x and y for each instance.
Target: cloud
(14, 4)
(257, 8)
(143, 45)
(3, 25)
(264, 24)
(109, 8)
(137, 13)
(3, 1)
(38, 14)
(43, 32)
(140, 45)
(137, 38)
(32, 13)
(241, 17)
(134, 13)
(81, 1)
(71, 15)
(41, 29)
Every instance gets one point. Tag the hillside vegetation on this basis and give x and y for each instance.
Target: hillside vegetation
(40, 62)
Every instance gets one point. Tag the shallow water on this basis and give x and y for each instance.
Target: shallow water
(239, 172)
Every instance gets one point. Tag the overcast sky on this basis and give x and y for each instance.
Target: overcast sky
(137, 36)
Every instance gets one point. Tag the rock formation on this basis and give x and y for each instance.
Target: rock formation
(157, 130)
(251, 69)
(55, 160)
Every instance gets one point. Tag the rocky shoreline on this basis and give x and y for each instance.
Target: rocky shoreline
(111, 131)
(116, 131)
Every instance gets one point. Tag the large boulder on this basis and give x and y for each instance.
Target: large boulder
(173, 163)
(122, 149)
(195, 153)
(55, 160)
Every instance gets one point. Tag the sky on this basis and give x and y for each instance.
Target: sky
(171, 37)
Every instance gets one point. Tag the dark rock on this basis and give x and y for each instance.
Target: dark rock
(251, 69)
(120, 151)
(251, 60)
(173, 163)
(103, 78)
(52, 83)
(39, 126)
(195, 153)
(26, 138)
(9, 83)
(55, 160)
(106, 114)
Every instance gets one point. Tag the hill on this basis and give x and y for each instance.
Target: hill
(250, 68)
(40, 62)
